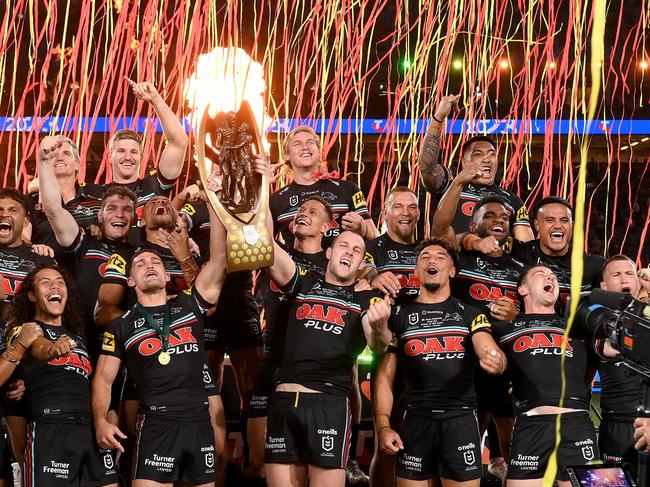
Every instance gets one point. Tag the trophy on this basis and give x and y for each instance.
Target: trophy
(229, 141)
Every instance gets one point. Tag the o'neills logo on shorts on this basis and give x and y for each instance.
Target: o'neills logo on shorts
(542, 344)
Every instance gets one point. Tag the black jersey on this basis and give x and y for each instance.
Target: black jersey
(531, 253)
(84, 208)
(177, 388)
(15, 264)
(277, 304)
(435, 352)
(324, 333)
(532, 344)
(343, 196)
(384, 254)
(88, 262)
(481, 279)
(59, 387)
(621, 389)
(473, 193)
(197, 217)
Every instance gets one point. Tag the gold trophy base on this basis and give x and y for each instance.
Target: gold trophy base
(249, 246)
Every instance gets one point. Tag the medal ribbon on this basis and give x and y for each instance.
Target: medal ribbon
(163, 331)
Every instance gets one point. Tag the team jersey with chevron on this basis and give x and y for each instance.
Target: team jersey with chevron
(384, 254)
(15, 264)
(343, 196)
(88, 259)
(473, 193)
(60, 387)
(176, 389)
(324, 333)
(433, 342)
(480, 279)
(84, 208)
(533, 346)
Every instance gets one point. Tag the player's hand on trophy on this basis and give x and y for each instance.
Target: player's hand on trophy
(143, 91)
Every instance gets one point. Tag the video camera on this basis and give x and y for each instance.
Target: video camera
(621, 318)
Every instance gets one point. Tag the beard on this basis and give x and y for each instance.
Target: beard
(431, 286)
(168, 224)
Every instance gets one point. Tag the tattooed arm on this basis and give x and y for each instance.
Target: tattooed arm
(434, 175)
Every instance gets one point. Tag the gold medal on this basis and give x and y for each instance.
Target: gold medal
(164, 358)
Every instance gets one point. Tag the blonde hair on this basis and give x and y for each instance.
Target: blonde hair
(125, 134)
(286, 143)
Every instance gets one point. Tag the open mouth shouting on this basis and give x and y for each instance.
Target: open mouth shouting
(432, 271)
(306, 155)
(486, 171)
(6, 229)
(54, 298)
(302, 220)
(557, 237)
(345, 261)
(498, 229)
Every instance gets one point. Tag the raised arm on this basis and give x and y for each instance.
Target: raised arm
(382, 404)
(375, 325)
(105, 373)
(432, 173)
(210, 280)
(171, 160)
(63, 223)
(109, 302)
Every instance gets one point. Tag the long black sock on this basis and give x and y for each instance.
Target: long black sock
(354, 441)
(243, 429)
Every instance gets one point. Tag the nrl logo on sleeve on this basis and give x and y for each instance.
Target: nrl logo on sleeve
(108, 343)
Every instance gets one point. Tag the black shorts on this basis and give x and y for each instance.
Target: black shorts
(168, 450)
(6, 469)
(492, 394)
(309, 428)
(65, 453)
(616, 439)
(258, 405)
(533, 440)
(235, 323)
(438, 444)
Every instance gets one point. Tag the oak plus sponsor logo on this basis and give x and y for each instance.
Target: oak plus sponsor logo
(160, 463)
(435, 348)
(181, 340)
(320, 317)
(60, 470)
(542, 344)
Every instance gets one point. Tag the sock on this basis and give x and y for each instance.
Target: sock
(354, 441)
(243, 429)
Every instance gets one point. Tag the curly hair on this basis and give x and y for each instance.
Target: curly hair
(21, 309)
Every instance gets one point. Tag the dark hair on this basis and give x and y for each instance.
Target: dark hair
(22, 310)
(17, 196)
(451, 249)
(477, 138)
(335, 239)
(549, 201)
(487, 200)
(618, 258)
(121, 191)
(140, 251)
(526, 270)
(322, 201)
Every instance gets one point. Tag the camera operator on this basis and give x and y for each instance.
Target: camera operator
(620, 386)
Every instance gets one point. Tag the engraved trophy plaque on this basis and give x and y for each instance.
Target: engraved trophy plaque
(229, 141)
